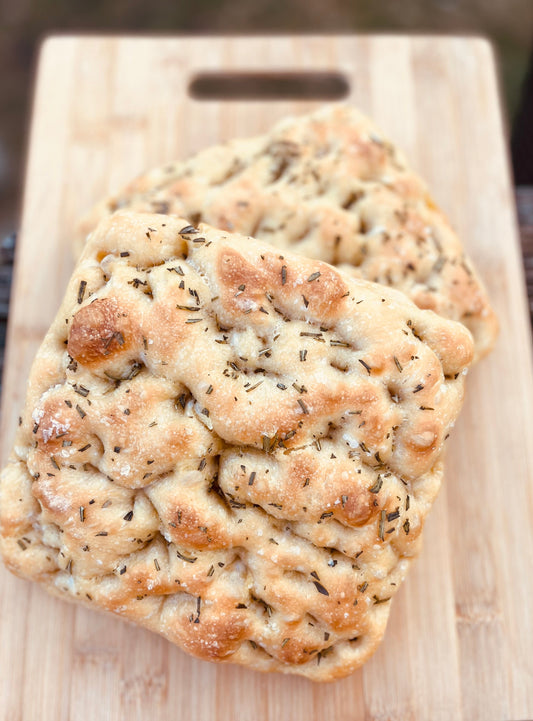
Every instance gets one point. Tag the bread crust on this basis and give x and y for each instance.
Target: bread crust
(328, 185)
(232, 446)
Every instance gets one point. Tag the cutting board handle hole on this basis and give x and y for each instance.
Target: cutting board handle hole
(269, 86)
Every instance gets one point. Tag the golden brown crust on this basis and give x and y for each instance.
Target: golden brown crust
(329, 186)
(99, 331)
(232, 446)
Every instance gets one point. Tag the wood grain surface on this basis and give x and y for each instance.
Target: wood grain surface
(460, 639)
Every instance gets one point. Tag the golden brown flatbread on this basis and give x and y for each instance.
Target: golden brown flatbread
(231, 445)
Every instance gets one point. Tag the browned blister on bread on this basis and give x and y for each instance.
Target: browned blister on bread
(329, 186)
(232, 445)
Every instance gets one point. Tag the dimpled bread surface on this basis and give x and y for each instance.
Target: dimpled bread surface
(232, 446)
(330, 186)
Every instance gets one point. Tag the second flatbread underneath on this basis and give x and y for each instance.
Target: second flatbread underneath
(329, 186)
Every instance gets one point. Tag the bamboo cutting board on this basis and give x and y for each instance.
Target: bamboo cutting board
(460, 639)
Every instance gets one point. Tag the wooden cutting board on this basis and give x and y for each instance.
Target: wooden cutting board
(460, 639)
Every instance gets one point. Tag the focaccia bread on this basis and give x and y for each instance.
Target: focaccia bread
(330, 186)
(231, 446)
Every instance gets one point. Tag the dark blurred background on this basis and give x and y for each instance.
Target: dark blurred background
(24, 23)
